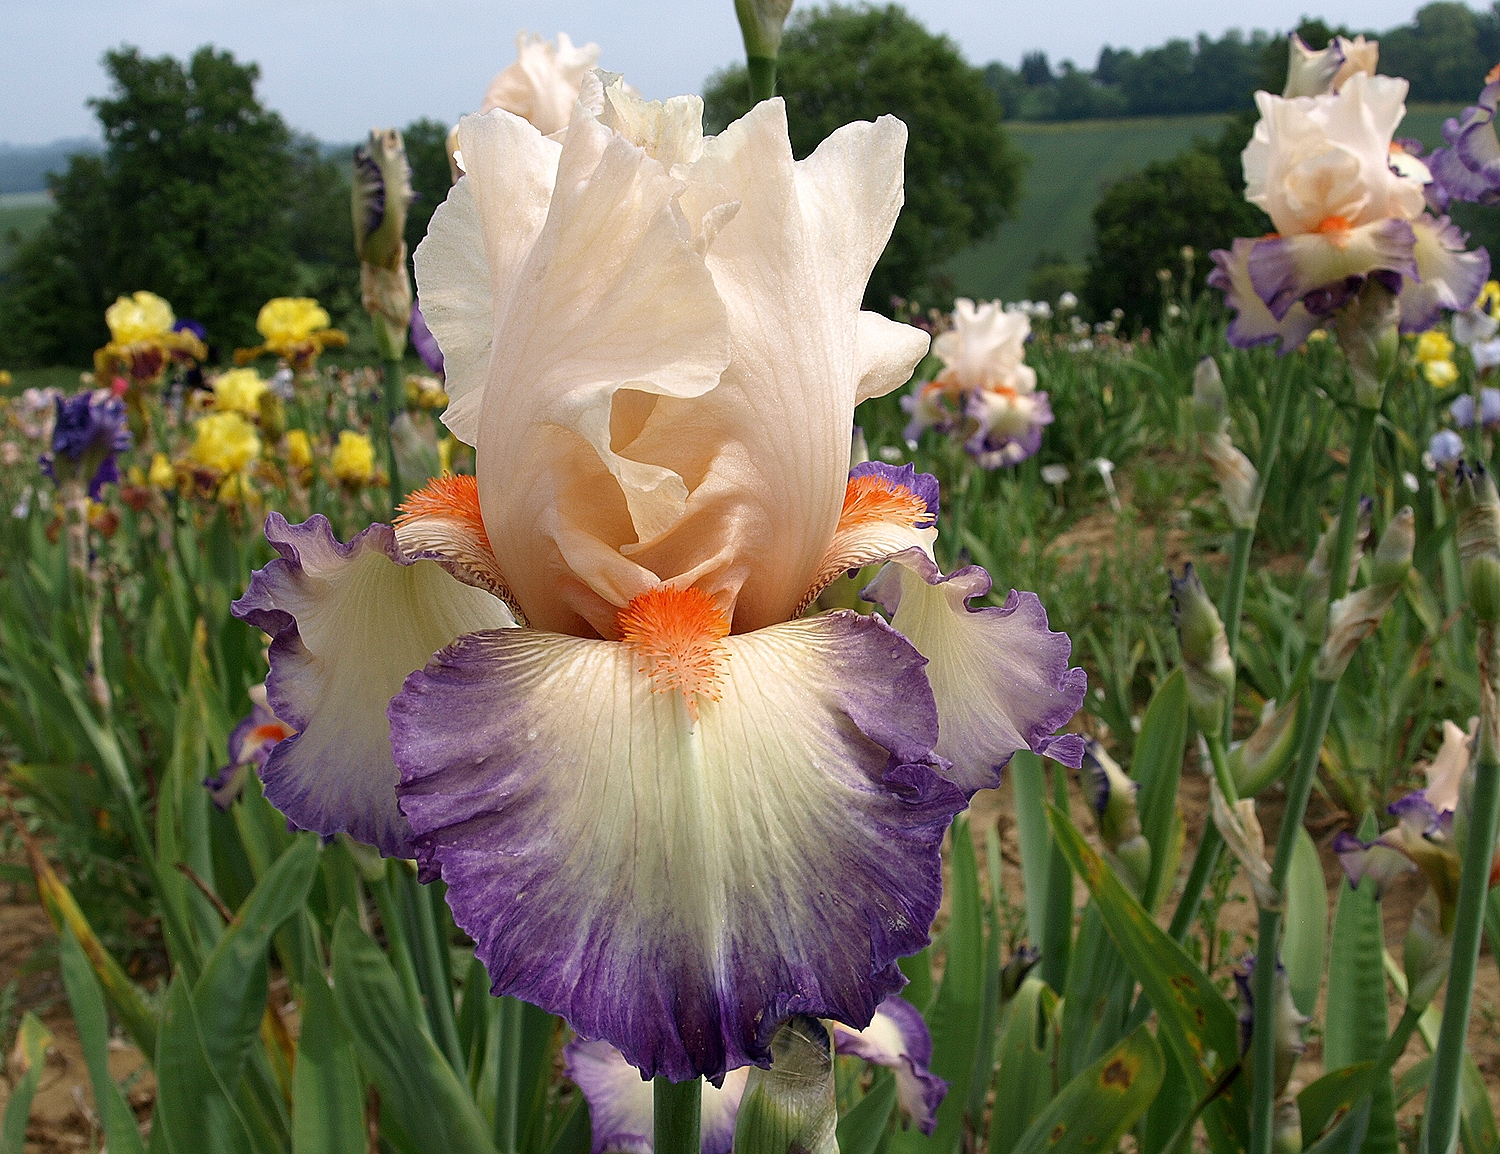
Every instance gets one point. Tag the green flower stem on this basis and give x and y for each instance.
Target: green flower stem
(762, 71)
(1239, 565)
(395, 404)
(1057, 933)
(1205, 861)
(677, 1120)
(1221, 768)
(508, 1076)
(1299, 789)
(1440, 1131)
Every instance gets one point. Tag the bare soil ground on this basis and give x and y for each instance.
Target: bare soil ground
(63, 1119)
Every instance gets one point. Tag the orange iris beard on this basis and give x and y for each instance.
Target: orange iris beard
(679, 635)
(874, 498)
(447, 496)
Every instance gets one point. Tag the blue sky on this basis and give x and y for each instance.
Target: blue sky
(335, 68)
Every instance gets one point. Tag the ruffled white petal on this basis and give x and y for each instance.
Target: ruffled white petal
(602, 307)
(765, 458)
(543, 83)
(348, 623)
(999, 675)
(474, 249)
(888, 354)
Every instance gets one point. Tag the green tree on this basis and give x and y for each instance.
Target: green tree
(192, 199)
(839, 64)
(1143, 221)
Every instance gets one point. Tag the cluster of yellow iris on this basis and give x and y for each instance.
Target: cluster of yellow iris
(233, 430)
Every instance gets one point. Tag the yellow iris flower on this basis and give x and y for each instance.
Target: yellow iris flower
(295, 329)
(226, 442)
(353, 459)
(239, 391)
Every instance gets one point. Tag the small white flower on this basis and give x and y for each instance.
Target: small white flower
(1055, 474)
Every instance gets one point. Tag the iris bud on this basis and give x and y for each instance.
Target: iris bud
(1205, 651)
(1237, 477)
(1353, 618)
(1288, 1020)
(793, 1105)
(1368, 335)
(1479, 540)
(1260, 759)
(1111, 795)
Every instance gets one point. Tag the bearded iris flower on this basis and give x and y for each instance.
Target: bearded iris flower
(1423, 836)
(1348, 205)
(985, 381)
(296, 329)
(89, 431)
(579, 686)
(143, 337)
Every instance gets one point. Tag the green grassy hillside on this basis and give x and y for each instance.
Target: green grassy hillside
(21, 214)
(1070, 166)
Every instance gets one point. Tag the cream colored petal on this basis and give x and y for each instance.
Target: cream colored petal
(475, 248)
(888, 354)
(542, 85)
(611, 311)
(765, 454)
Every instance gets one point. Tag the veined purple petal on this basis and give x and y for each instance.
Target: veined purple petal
(898, 1038)
(348, 623)
(680, 887)
(1253, 323)
(1449, 277)
(1283, 270)
(621, 1108)
(1000, 676)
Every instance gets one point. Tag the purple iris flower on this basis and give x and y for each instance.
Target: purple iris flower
(250, 746)
(620, 1104)
(578, 685)
(1446, 446)
(89, 431)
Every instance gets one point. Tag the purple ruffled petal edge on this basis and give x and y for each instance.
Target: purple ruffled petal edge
(257, 607)
(1068, 685)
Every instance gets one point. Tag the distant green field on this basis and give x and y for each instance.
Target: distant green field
(1071, 165)
(21, 214)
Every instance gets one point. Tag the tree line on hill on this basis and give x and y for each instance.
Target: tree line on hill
(1444, 51)
(205, 197)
